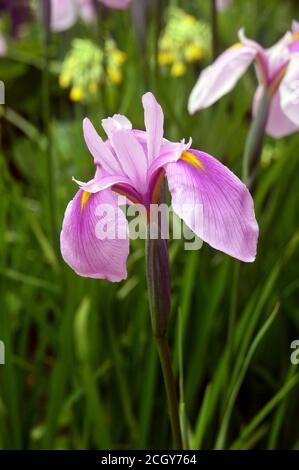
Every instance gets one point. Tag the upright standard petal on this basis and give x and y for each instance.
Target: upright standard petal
(84, 248)
(154, 121)
(214, 203)
(289, 91)
(220, 77)
(278, 124)
(99, 150)
(278, 56)
(63, 14)
(132, 157)
(114, 123)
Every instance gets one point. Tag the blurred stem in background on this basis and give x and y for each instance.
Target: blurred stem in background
(214, 22)
(158, 284)
(101, 33)
(140, 15)
(157, 26)
(46, 17)
(255, 139)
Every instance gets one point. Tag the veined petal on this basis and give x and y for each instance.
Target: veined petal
(131, 157)
(278, 55)
(114, 123)
(294, 46)
(99, 150)
(154, 120)
(278, 124)
(170, 152)
(82, 245)
(212, 191)
(63, 15)
(289, 91)
(221, 77)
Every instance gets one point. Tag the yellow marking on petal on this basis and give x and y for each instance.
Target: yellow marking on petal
(84, 199)
(237, 45)
(193, 160)
(295, 37)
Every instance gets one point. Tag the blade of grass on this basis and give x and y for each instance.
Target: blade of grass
(222, 435)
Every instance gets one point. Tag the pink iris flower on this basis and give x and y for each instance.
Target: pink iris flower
(65, 13)
(277, 69)
(134, 163)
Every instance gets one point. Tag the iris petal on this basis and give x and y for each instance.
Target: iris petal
(82, 249)
(154, 119)
(278, 124)
(221, 77)
(215, 204)
(289, 91)
(101, 153)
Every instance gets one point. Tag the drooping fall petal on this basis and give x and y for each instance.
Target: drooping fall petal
(289, 91)
(278, 124)
(227, 221)
(220, 77)
(83, 248)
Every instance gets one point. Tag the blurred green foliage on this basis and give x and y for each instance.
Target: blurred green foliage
(81, 367)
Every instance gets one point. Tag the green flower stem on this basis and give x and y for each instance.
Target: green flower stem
(165, 360)
(158, 282)
(255, 139)
(101, 32)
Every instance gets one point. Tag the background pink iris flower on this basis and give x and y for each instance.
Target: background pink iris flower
(132, 162)
(277, 68)
(65, 13)
(223, 4)
(3, 46)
